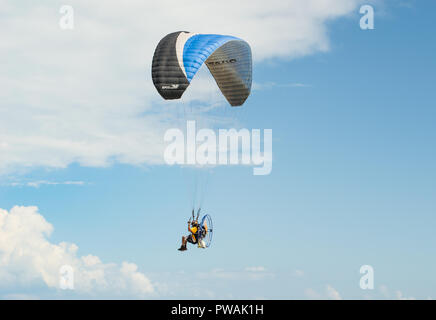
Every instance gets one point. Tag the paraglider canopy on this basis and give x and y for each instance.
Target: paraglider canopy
(179, 56)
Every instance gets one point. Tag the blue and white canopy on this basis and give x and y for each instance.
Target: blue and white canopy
(180, 55)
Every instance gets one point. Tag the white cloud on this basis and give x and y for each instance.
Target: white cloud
(399, 295)
(298, 273)
(37, 184)
(255, 269)
(249, 273)
(270, 85)
(332, 293)
(221, 284)
(312, 294)
(28, 258)
(86, 96)
(19, 296)
(384, 291)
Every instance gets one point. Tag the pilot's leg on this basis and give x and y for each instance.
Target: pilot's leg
(183, 246)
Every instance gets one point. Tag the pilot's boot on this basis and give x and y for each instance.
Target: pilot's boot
(183, 246)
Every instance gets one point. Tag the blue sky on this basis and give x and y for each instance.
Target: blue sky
(353, 180)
